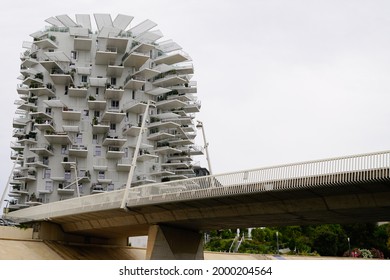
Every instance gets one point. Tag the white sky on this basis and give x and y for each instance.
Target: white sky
(280, 81)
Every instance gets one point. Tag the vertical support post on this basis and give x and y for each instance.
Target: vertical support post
(135, 156)
(206, 145)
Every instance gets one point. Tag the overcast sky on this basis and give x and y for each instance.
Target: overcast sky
(280, 81)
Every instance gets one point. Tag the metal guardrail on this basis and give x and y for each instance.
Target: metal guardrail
(335, 171)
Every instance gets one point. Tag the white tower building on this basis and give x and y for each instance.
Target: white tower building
(83, 97)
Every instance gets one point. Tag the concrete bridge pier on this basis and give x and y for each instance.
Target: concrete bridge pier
(169, 243)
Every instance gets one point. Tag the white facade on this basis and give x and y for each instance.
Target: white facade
(83, 95)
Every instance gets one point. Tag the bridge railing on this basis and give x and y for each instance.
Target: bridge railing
(340, 170)
(334, 171)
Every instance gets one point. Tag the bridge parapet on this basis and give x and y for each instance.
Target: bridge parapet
(320, 173)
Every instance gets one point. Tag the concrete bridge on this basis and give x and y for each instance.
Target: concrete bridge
(338, 190)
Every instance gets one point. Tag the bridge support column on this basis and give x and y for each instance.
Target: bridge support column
(168, 243)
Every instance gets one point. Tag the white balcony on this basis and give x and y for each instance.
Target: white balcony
(78, 92)
(43, 90)
(120, 44)
(35, 162)
(45, 44)
(113, 117)
(113, 93)
(104, 180)
(58, 138)
(78, 151)
(68, 163)
(111, 141)
(123, 165)
(146, 157)
(168, 81)
(135, 59)
(82, 44)
(131, 130)
(97, 105)
(22, 89)
(163, 125)
(135, 106)
(103, 57)
(27, 106)
(114, 152)
(172, 58)
(166, 150)
(158, 136)
(97, 82)
(168, 105)
(20, 122)
(62, 78)
(100, 128)
(46, 150)
(65, 191)
(147, 73)
(70, 115)
(115, 70)
(134, 83)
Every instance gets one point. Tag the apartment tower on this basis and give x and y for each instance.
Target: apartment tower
(92, 102)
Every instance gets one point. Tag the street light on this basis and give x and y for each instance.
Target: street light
(349, 246)
(206, 145)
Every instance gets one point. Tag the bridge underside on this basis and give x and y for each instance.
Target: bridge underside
(369, 202)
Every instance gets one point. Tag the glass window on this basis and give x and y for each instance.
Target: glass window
(98, 151)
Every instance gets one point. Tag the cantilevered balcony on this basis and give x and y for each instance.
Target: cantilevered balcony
(160, 135)
(131, 130)
(37, 162)
(80, 92)
(18, 190)
(192, 107)
(114, 70)
(186, 69)
(18, 155)
(144, 155)
(78, 151)
(97, 105)
(143, 48)
(147, 73)
(97, 82)
(180, 141)
(66, 190)
(70, 114)
(163, 124)
(123, 165)
(82, 44)
(25, 176)
(118, 43)
(168, 105)
(29, 105)
(18, 132)
(113, 117)
(142, 180)
(20, 122)
(43, 90)
(44, 125)
(135, 106)
(134, 82)
(113, 93)
(100, 127)
(103, 57)
(172, 58)
(43, 150)
(114, 152)
(114, 141)
(166, 149)
(134, 59)
(60, 77)
(22, 89)
(45, 43)
(168, 81)
(98, 189)
(191, 87)
(68, 163)
(58, 138)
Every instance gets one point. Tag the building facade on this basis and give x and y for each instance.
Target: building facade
(85, 99)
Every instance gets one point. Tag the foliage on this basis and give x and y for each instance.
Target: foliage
(326, 240)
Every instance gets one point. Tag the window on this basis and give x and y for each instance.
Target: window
(132, 94)
(67, 175)
(101, 175)
(46, 173)
(115, 104)
(85, 113)
(98, 151)
(48, 111)
(113, 127)
(94, 139)
(97, 91)
(113, 81)
(79, 138)
(126, 150)
(64, 150)
(96, 114)
(66, 90)
(110, 187)
(84, 78)
(49, 186)
(73, 55)
(45, 160)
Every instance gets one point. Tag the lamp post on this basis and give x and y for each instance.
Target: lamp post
(349, 246)
(206, 145)
(6, 208)
(277, 243)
